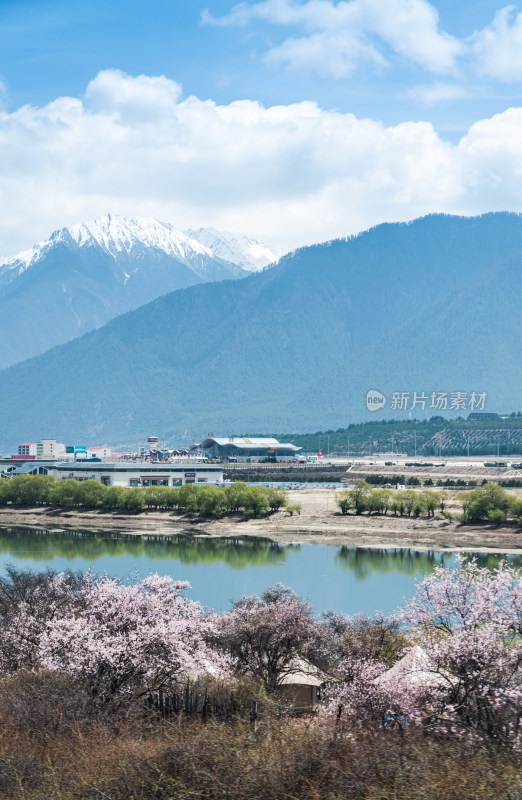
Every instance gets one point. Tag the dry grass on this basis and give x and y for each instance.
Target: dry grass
(70, 750)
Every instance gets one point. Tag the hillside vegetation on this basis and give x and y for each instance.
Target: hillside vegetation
(431, 437)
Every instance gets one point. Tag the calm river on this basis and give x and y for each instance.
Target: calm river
(343, 579)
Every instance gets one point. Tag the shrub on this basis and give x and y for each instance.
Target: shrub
(157, 496)
(277, 498)
(515, 507)
(496, 516)
(478, 503)
(211, 500)
(296, 508)
(66, 492)
(133, 499)
(113, 497)
(256, 501)
(91, 493)
(235, 496)
(344, 500)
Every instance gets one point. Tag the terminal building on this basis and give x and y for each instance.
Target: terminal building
(240, 448)
(127, 475)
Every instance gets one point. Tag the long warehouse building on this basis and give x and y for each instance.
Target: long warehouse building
(127, 475)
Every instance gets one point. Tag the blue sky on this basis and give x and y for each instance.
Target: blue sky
(293, 120)
(55, 48)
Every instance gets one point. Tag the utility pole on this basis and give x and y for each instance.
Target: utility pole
(370, 446)
(348, 442)
(415, 434)
(328, 445)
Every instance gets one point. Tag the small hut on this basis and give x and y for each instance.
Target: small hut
(302, 682)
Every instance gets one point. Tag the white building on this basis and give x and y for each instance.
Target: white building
(49, 450)
(27, 449)
(99, 452)
(129, 475)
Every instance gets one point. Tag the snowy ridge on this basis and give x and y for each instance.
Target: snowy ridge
(247, 253)
(116, 234)
(120, 235)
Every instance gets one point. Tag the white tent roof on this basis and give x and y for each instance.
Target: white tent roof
(414, 669)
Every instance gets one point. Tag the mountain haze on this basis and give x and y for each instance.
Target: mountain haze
(432, 305)
(84, 276)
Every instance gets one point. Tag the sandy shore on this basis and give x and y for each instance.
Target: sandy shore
(319, 522)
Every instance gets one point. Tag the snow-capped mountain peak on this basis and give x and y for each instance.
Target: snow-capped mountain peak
(84, 275)
(116, 235)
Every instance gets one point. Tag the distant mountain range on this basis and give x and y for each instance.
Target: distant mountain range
(84, 276)
(427, 306)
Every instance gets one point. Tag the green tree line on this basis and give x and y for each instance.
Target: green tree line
(487, 503)
(35, 490)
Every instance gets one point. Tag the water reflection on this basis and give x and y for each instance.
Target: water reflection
(44, 545)
(363, 561)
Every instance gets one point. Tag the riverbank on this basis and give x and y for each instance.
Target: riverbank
(319, 522)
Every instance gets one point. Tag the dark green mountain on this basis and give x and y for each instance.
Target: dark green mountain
(429, 306)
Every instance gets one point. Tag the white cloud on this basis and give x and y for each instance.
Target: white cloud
(290, 174)
(432, 93)
(498, 48)
(330, 55)
(140, 99)
(343, 33)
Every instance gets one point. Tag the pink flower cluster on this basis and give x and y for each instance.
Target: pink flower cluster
(119, 637)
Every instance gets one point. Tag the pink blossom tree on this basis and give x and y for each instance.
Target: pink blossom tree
(265, 635)
(463, 669)
(469, 622)
(119, 638)
(138, 637)
(28, 603)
